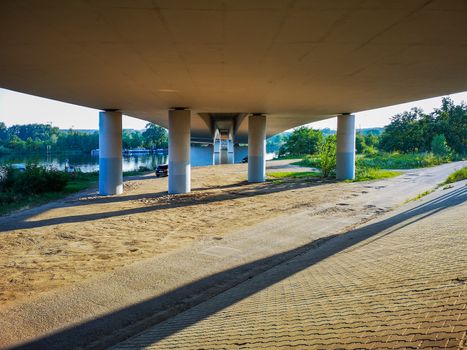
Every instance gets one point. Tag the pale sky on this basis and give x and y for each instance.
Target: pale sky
(18, 108)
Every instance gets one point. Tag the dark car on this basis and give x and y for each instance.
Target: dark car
(245, 159)
(162, 170)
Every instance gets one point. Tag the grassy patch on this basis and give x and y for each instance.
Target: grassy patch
(309, 161)
(293, 174)
(458, 175)
(400, 161)
(420, 195)
(366, 174)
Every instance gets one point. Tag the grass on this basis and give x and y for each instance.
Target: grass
(400, 161)
(458, 175)
(420, 195)
(309, 162)
(367, 174)
(294, 174)
(376, 166)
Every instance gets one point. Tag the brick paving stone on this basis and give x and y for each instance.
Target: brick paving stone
(399, 289)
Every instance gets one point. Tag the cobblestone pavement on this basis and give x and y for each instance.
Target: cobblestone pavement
(396, 284)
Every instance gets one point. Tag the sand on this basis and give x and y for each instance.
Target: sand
(76, 238)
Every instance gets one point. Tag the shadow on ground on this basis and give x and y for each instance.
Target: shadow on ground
(111, 328)
(159, 201)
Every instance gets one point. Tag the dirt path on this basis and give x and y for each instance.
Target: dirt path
(72, 240)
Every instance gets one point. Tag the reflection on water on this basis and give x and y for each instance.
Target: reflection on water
(200, 156)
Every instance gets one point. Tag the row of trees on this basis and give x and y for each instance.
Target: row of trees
(45, 137)
(416, 131)
(442, 132)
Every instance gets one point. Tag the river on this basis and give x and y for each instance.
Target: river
(200, 156)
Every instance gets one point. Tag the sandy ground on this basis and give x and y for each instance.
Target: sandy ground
(70, 240)
(77, 238)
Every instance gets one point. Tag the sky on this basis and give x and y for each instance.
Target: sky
(19, 108)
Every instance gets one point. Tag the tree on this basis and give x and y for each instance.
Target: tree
(274, 143)
(451, 121)
(327, 156)
(3, 133)
(404, 133)
(413, 131)
(440, 147)
(302, 141)
(155, 136)
(360, 143)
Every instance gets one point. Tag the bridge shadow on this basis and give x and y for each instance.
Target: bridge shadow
(155, 201)
(111, 328)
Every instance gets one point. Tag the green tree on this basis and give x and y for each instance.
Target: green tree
(440, 147)
(404, 133)
(3, 133)
(451, 121)
(155, 136)
(327, 156)
(302, 141)
(274, 143)
(360, 143)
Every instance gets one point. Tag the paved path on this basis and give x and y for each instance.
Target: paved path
(399, 282)
(111, 307)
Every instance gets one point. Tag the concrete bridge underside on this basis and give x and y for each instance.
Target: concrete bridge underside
(229, 62)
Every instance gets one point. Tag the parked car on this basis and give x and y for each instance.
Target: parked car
(162, 170)
(245, 159)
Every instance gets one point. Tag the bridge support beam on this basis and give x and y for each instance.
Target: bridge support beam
(110, 153)
(345, 157)
(256, 148)
(216, 152)
(230, 152)
(179, 151)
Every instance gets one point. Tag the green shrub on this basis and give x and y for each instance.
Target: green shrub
(33, 180)
(327, 156)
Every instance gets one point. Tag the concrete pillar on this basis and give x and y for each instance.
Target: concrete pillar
(216, 152)
(256, 148)
(230, 152)
(110, 153)
(345, 157)
(179, 151)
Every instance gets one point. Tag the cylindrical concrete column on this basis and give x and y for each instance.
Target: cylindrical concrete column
(216, 152)
(256, 148)
(110, 153)
(179, 151)
(345, 157)
(230, 152)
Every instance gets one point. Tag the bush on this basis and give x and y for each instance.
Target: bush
(33, 180)
(327, 156)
